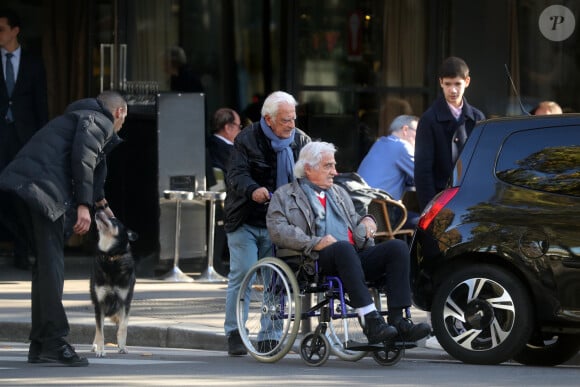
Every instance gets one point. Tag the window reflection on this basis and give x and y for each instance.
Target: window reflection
(551, 163)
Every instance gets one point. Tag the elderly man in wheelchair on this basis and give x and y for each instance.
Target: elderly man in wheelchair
(318, 219)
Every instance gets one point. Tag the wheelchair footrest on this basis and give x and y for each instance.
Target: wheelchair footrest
(352, 345)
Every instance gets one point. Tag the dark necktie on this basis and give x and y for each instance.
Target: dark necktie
(9, 82)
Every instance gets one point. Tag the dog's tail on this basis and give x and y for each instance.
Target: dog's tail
(113, 304)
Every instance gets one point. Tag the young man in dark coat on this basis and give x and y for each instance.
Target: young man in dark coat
(443, 130)
(262, 160)
(62, 167)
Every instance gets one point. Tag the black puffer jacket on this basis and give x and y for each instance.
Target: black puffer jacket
(253, 164)
(64, 163)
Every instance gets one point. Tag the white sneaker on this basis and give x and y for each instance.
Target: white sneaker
(433, 343)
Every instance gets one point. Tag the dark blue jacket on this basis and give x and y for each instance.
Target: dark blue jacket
(433, 162)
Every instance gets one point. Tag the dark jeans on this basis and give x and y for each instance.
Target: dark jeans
(387, 262)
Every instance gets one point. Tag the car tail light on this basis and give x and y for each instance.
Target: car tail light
(436, 206)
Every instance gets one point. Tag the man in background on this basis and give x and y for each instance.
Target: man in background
(547, 107)
(23, 105)
(443, 130)
(390, 162)
(227, 126)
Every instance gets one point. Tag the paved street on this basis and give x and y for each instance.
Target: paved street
(150, 366)
(176, 338)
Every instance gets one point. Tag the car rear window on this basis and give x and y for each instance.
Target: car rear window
(544, 159)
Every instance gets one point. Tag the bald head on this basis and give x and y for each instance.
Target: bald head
(547, 107)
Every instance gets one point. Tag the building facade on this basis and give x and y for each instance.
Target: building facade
(353, 65)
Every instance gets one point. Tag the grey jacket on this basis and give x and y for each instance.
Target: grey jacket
(291, 221)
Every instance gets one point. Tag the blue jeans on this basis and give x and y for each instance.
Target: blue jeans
(247, 244)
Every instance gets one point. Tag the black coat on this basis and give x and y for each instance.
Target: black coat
(64, 163)
(433, 162)
(253, 164)
(29, 97)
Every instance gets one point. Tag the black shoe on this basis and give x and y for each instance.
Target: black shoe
(411, 332)
(64, 354)
(235, 345)
(34, 352)
(376, 329)
(265, 346)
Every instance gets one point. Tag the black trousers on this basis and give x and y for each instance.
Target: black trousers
(9, 146)
(49, 320)
(387, 262)
(9, 143)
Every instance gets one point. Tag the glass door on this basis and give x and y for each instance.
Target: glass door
(132, 45)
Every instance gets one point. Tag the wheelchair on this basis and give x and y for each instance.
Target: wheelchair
(277, 295)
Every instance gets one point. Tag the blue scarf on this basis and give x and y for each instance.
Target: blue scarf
(329, 220)
(285, 158)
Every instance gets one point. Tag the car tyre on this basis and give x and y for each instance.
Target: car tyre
(481, 314)
(549, 351)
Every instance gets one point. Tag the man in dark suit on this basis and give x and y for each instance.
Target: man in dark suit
(23, 104)
(227, 125)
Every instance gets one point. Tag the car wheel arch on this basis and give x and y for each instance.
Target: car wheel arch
(457, 262)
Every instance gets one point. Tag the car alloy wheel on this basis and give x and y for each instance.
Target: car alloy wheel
(481, 314)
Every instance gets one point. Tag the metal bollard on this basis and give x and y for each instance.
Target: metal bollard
(175, 274)
(210, 275)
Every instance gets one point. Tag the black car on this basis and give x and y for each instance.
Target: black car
(496, 256)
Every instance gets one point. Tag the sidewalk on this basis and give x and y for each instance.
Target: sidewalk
(163, 313)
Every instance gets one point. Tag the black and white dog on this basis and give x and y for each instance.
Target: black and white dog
(112, 280)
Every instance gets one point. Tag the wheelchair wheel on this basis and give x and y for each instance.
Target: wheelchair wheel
(315, 349)
(341, 328)
(269, 310)
(388, 356)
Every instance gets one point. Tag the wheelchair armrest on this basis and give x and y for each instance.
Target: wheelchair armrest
(283, 253)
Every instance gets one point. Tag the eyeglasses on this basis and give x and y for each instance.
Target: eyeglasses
(238, 124)
(287, 121)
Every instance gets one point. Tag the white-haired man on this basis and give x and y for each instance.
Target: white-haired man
(262, 160)
(317, 218)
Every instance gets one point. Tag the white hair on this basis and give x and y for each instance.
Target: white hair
(272, 102)
(311, 155)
